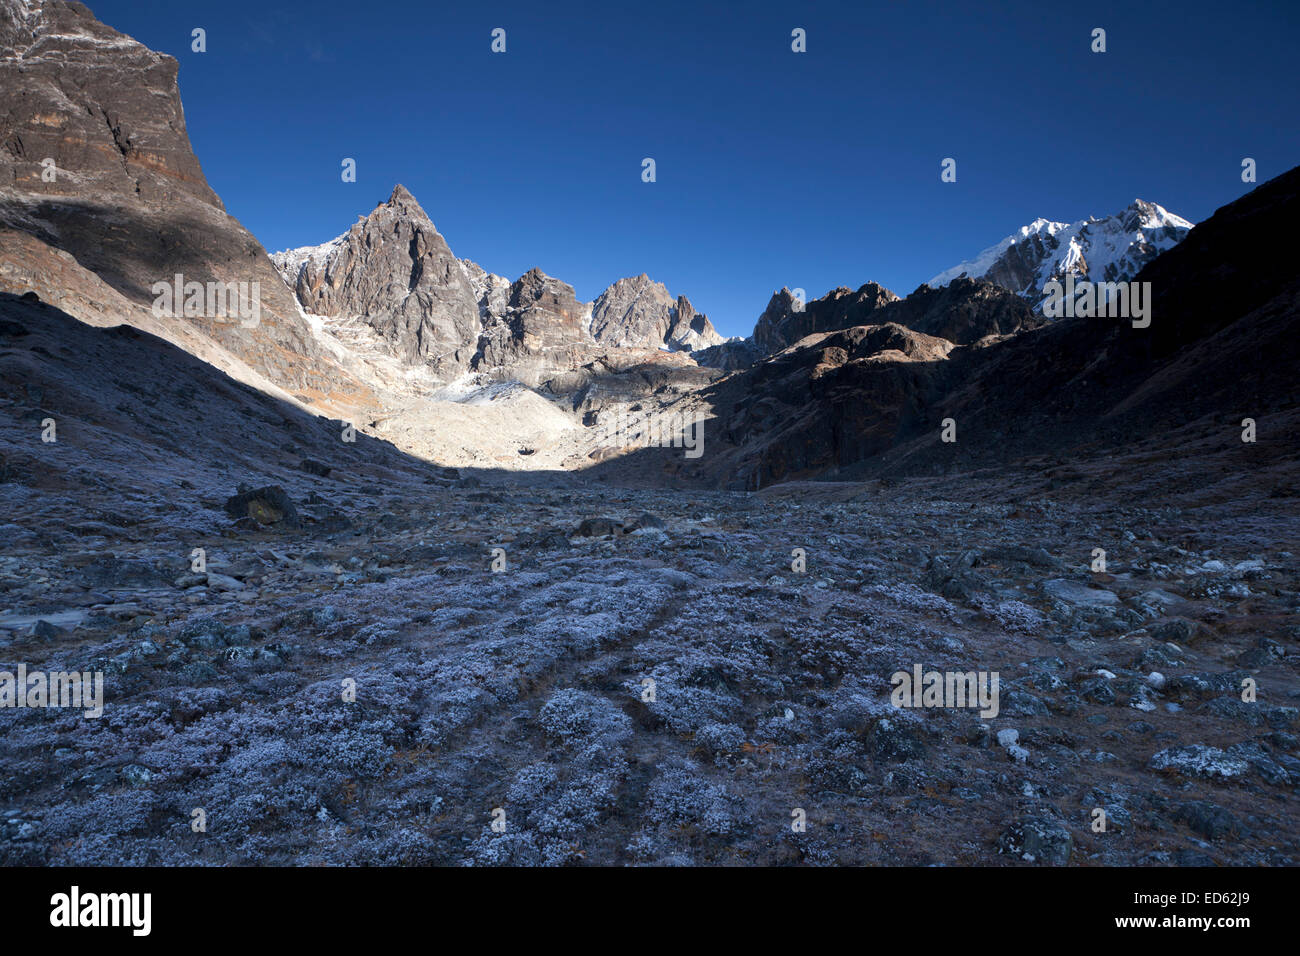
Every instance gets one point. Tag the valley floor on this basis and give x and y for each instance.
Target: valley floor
(524, 690)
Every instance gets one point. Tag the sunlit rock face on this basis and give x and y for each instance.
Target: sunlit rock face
(640, 312)
(95, 161)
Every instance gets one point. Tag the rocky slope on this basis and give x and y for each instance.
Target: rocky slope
(1220, 348)
(1111, 249)
(128, 200)
(786, 319)
(963, 312)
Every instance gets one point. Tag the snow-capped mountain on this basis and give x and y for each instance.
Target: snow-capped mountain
(1112, 249)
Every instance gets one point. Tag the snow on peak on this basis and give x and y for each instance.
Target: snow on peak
(291, 261)
(1111, 249)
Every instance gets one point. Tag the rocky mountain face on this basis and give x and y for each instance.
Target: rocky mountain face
(95, 162)
(541, 335)
(491, 291)
(106, 106)
(395, 272)
(640, 312)
(1111, 249)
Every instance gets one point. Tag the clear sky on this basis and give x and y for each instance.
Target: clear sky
(774, 168)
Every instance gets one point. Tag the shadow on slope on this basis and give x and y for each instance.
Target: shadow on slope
(1222, 347)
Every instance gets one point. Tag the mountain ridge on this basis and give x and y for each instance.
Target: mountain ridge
(632, 312)
(1110, 249)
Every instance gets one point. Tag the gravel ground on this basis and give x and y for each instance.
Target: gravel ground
(648, 680)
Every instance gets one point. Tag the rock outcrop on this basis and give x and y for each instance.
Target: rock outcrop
(491, 291)
(786, 319)
(729, 356)
(837, 398)
(541, 334)
(963, 312)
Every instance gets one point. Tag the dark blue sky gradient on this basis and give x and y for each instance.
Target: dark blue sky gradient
(774, 168)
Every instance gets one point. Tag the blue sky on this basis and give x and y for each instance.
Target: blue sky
(774, 168)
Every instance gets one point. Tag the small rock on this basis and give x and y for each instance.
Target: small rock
(598, 528)
(265, 506)
(1070, 593)
(644, 520)
(1210, 821)
(1038, 840)
(45, 629)
(1198, 760)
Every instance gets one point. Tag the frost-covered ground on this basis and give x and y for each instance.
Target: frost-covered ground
(524, 691)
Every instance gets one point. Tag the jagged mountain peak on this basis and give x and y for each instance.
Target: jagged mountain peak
(394, 271)
(1110, 249)
(401, 204)
(1141, 214)
(401, 194)
(638, 311)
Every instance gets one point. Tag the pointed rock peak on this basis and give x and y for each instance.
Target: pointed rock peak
(634, 285)
(1143, 214)
(535, 281)
(401, 207)
(1142, 208)
(404, 204)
